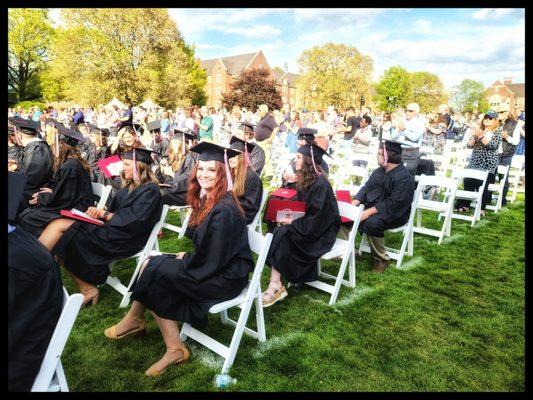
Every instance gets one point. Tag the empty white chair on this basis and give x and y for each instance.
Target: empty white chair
(260, 245)
(344, 249)
(516, 172)
(497, 189)
(475, 197)
(51, 376)
(148, 250)
(445, 206)
(351, 173)
(103, 192)
(256, 224)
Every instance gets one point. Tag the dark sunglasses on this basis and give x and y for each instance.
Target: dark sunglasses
(488, 117)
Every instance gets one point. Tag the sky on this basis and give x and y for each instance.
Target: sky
(484, 44)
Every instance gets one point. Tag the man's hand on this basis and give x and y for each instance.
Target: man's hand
(45, 190)
(356, 202)
(180, 255)
(368, 213)
(401, 126)
(285, 221)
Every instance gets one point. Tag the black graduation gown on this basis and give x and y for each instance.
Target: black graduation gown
(37, 160)
(253, 192)
(15, 153)
(93, 156)
(257, 159)
(291, 185)
(71, 188)
(392, 194)
(216, 270)
(35, 301)
(296, 247)
(87, 249)
(177, 194)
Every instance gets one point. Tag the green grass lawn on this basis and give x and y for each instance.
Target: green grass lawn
(452, 319)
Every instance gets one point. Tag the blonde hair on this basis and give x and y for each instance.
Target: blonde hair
(239, 176)
(175, 154)
(145, 176)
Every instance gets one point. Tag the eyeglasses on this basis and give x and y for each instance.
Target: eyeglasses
(488, 117)
(410, 110)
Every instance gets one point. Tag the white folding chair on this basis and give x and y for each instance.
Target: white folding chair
(103, 192)
(351, 173)
(344, 249)
(498, 188)
(407, 241)
(475, 197)
(51, 376)
(185, 215)
(256, 225)
(445, 206)
(516, 172)
(260, 245)
(148, 250)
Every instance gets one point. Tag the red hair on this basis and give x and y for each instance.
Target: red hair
(203, 206)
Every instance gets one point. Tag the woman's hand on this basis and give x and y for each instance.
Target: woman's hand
(94, 212)
(180, 255)
(45, 190)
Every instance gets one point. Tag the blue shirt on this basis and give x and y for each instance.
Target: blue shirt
(78, 118)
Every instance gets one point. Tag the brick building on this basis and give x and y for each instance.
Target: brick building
(223, 70)
(506, 95)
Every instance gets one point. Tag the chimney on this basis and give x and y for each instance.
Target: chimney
(507, 81)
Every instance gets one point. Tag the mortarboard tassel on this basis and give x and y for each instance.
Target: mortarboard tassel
(228, 173)
(183, 143)
(246, 156)
(385, 156)
(313, 160)
(135, 172)
(56, 142)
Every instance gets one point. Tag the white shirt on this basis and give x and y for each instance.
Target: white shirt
(413, 132)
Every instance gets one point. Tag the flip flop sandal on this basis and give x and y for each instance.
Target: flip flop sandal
(271, 296)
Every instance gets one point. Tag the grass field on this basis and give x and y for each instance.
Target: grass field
(452, 319)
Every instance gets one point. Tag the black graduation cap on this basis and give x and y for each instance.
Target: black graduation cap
(135, 127)
(180, 132)
(153, 125)
(246, 126)
(26, 126)
(142, 155)
(238, 144)
(95, 130)
(209, 151)
(394, 146)
(69, 136)
(16, 183)
(307, 134)
(318, 152)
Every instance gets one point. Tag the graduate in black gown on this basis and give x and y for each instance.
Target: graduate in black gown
(14, 150)
(387, 196)
(185, 286)
(247, 185)
(98, 150)
(86, 249)
(245, 131)
(71, 186)
(35, 296)
(182, 162)
(297, 245)
(36, 160)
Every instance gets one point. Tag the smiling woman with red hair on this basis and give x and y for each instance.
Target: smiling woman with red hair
(185, 286)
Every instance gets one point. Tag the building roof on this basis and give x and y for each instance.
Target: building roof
(519, 89)
(234, 64)
(291, 78)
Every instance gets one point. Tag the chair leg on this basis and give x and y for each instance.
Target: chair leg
(319, 267)
(126, 298)
(410, 244)
(402, 249)
(224, 317)
(352, 271)
(183, 331)
(260, 317)
(338, 281)
(61, 378)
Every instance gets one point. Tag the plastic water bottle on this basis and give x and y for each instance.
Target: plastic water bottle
(223, 381)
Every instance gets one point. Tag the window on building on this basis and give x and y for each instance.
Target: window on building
(218, 78)
(209, 79)
(261, 66)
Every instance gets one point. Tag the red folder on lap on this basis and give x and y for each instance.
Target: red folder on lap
(285, 193)
(275, 205)
(344, 196)
(70, 214)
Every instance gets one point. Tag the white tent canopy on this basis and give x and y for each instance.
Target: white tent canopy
(115, 102)
(147, 104)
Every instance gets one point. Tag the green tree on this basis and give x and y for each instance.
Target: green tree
(29, 35)
(427, 90)
(251, 88)
(335, 74)
(130, 54)
(469, 95)
(393, 89)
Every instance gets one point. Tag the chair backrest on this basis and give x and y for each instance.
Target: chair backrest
(260, 245)
(434, 180)
(470, 173)
(152, 240)
(71, 308)
(348, 210)
(257, 217)
(518, 162)
(103, 192)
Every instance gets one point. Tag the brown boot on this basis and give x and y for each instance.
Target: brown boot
(380, 265)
